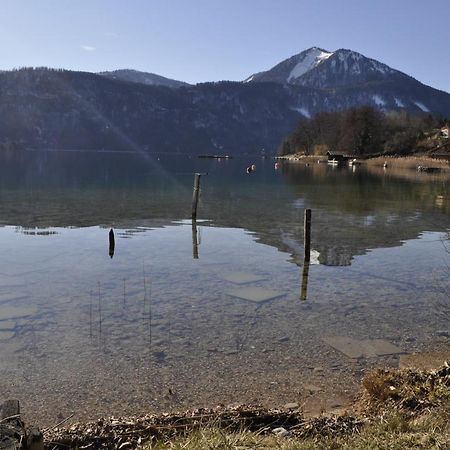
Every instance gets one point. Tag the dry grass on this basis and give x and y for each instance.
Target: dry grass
(404, 410)
(407, 162)
(390, 431)
(407, 390)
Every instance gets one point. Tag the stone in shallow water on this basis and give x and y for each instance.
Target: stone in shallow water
(312, 388)
(15, 312)
(349, 347)
(4, 335)
(290, 406)
(7, 325)
(242, 277)
(354, 348)
(255, 294)
(380, 347)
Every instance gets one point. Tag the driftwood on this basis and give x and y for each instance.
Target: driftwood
(13, 435)
(127, 433)
(12, 431)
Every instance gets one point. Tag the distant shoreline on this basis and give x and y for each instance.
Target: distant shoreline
(397, 162)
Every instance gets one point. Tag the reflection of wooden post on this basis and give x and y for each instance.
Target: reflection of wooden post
(305, 273)
(307, 256)
(99, 310)
(195, 195)
(112, 243)
(90, 316)
(194, 239)
(307, 235)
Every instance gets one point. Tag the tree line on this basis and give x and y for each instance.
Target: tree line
(360, 131)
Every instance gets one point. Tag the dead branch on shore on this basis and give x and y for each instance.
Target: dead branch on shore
(131, 432)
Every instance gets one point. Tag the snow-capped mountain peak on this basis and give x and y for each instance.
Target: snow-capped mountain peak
(344, 79)
(291, 69)
(308, 60)
(320, 68)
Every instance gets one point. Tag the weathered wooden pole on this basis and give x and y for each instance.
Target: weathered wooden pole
(195, 194)
(307, 235)
(194, 239)
(112, 243)
(304, 289)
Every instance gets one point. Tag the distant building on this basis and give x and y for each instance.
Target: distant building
(336, 157)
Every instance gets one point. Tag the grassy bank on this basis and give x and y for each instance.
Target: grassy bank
(393, 162)
(397, 409)
(408, 162)
(391, 431)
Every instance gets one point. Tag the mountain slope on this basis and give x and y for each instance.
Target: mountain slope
(135, 76)
(41, 109)
(348, 79)
(289, 70)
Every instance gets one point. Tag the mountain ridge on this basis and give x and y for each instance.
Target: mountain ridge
(137, 76)
(45, 108)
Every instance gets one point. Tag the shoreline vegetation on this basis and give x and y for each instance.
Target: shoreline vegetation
(397, 162)
(367, 133)
(396, 409)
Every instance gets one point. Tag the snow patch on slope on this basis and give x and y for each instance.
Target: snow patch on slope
(379, 101)
(355, 63)
(399, 103)
(303, 111)
(422, 106)
(312, 59)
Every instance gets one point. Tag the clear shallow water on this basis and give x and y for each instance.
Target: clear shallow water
(81, 332)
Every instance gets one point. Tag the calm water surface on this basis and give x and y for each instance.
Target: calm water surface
(85, 333)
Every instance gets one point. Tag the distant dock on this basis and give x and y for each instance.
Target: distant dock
(216, 156)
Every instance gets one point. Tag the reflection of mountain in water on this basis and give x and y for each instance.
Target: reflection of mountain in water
(352, 211)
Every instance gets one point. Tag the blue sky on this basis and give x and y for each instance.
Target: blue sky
(209, 40)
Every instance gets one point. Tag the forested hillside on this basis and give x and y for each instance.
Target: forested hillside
(363, 131)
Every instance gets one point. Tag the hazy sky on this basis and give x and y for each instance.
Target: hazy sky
(206, 40)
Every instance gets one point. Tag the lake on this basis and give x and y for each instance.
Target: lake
(185, 316)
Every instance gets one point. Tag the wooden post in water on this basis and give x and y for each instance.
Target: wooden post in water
(307, 256)
(112, 243)
(194, 239)
(307, 235)
(195, 195)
